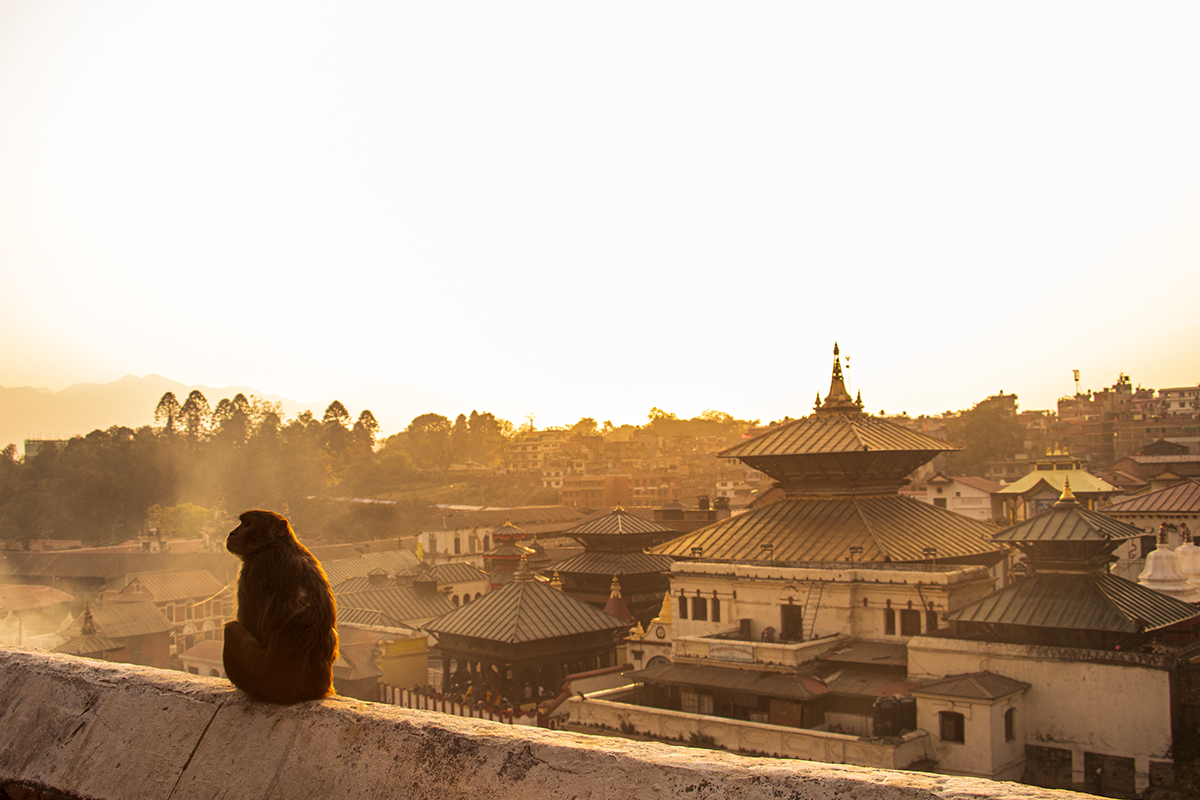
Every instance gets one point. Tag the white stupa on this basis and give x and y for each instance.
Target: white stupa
(1162, 573)
(1187, 556)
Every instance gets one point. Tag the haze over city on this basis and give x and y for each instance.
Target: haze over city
(591, 211)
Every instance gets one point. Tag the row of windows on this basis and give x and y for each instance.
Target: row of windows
(792, 619)
(701, 607)
(182, 613)
(466, 598)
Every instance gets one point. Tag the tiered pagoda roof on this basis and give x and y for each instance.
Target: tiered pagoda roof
(620, 531)
(1069, 548)
(525, 610)
(840, 470)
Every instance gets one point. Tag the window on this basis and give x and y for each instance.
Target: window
(910, 622)
(454, 600)
(682, 607)
(1010, 725)
(699, 609)
(457, 546)
(953, 726)
(940, 502)
(931, 621)
(889, 622)
(716, 610)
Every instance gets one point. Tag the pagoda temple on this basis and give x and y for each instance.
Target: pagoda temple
(503, 560)
(522, 636)
(1069, 598)
(840, 470)
(615, 547)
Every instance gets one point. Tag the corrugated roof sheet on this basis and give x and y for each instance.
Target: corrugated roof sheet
(859, 682)
(1093, 602)
(890, 654)
(806, 529)
(120, 620)
(457, 572)
(349, 616)
(975, 686)
(524, 611)
(1069, 523)
(836, 433)
(611, 563)
(1182, 498)
(88, 645)
(402, 603)
(168, 587)
(390, 561)
(731, 679)
(205, 650)
(615, 523)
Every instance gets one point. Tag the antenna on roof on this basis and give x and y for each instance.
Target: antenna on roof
(1076, 380)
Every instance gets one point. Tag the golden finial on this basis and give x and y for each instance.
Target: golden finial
(838, 398)
(1067, 498)
(615, 589)
(556, 581)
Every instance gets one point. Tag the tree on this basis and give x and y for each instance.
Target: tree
(431, 442)
(987, 433)
(167, 412)
(366, 428)
(194, 412)
(585, 427)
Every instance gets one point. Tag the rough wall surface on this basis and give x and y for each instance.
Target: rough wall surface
(91, 729)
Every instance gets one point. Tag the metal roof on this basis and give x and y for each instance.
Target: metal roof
(615, 523)
(88, 645)
(349, 616)
(1096, 601)
(1081, 482)
(1182, 498)
(888, 654)
(120, 620)
(852, 432)
(108, 566)
(403, 603)
(524, 611)
(611, 563)
(788, 685)
(205, 650)
(887, 527)
(167, 587)
(1073, 522)
(390, 561)
(860, 682)
(457, 572)
(975, 686)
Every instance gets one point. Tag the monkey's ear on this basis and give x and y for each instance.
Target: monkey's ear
(280, 528)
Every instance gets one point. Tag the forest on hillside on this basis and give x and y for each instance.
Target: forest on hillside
(242, 453)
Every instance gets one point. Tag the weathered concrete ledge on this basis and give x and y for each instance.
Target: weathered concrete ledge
(91, 729)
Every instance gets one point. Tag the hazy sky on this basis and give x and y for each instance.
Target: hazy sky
(591, 209)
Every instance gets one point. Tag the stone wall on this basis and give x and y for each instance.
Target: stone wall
(90, 729)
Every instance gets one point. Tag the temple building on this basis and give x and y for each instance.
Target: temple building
(502, 561)
(615, 547)
(1039, 489)
(1081, 669)
(520, 641)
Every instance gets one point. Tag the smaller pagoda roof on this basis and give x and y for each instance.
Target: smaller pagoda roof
(1096, 601)
(525, 610)
(1069, 522)
(974, 686)
(606, 563)
(401, 603)
(1182, 498)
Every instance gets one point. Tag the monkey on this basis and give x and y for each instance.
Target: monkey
(282, 646)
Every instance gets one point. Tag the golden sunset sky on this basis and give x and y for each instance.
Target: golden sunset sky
(589, 209)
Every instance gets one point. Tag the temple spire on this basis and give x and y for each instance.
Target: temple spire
(838, 398)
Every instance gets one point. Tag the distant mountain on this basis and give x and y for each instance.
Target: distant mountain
(36, 413)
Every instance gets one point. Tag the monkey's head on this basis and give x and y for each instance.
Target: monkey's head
(259, 530)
